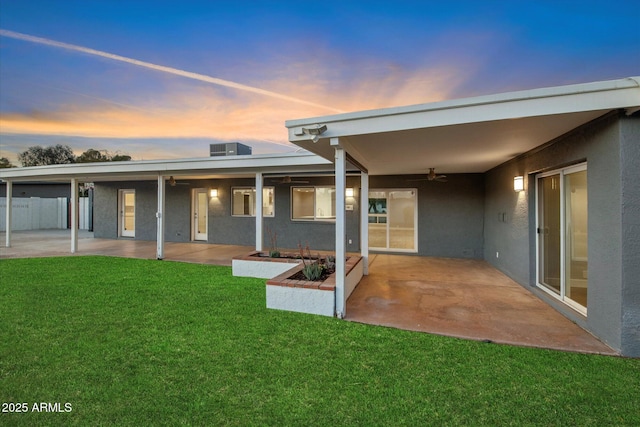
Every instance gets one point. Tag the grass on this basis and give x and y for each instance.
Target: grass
(140, 342)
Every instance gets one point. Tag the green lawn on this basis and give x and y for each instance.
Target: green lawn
(139, 342)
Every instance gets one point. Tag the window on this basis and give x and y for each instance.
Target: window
(244, 201)
(313, 203)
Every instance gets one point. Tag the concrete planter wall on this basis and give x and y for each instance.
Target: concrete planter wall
(253, 265)
(296, 295)
(311, 297)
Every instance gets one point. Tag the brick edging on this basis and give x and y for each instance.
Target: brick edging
(329, 284)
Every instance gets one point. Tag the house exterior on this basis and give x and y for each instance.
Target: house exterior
(541, 184)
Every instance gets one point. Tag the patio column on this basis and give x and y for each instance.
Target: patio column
(341, 253)
(364, 221)
(74, 215)
(259, 212)
(8, 214)
(160, 219)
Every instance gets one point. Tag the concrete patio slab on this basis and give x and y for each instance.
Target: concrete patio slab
(465, 299)
(45, 243)
(453, 297)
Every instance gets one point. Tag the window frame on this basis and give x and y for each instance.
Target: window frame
(253, 189)
(316, 218)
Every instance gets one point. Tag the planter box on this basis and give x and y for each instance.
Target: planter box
(254, 265)
(311, 297)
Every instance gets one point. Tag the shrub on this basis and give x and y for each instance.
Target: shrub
(312, 271)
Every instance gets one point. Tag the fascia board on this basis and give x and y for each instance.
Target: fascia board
(624, 93)
(150, 168)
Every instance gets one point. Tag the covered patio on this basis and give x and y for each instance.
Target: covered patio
(453, 297)
(462, 298)
(49, 243)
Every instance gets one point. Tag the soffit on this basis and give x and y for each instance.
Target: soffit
(465, 148)
(467, 135)
(201, 168)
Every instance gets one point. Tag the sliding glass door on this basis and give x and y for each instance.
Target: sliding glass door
(393, 220)
(563, 234)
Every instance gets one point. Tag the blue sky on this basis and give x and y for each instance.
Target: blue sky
(235, 71)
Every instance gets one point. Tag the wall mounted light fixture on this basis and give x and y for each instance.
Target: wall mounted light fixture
(349, 192)
(518, 183)
(213, 193)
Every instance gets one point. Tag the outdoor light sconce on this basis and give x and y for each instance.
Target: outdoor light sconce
(213, 193)
(349, 192)
(315, 131)
(518, 183)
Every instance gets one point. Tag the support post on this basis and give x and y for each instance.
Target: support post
(74, 215)
(364, 221)
(259, 212)
(341, 253)
(160, 219)
(8, 214)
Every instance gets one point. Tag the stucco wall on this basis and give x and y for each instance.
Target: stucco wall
(514, 236)
(630, 161)
(105, 210)
(450, 215)
(320, 235)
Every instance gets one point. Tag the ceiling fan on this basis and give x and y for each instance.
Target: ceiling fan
(432, 176)
(172, 182)
(287, 180)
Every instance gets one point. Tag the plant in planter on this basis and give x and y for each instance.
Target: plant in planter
(313, 270)
(330, 262)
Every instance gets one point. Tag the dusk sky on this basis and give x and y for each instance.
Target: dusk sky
(164, 79)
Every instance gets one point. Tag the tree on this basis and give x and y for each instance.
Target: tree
(53, 155)
(92, 155)
(121, 158)
(5, 163)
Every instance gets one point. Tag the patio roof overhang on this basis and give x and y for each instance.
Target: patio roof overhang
(466, 135)
(196, 168)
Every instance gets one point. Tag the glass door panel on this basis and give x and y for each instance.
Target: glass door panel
(402, 220)
(549, 232)
(378, 219)
(200, 214)
(128, 213)
(576, 260)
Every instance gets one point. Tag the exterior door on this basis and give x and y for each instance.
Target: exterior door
(549, 233)
(200, 214)
(563, 235)
(393, 220)
(127, 213)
